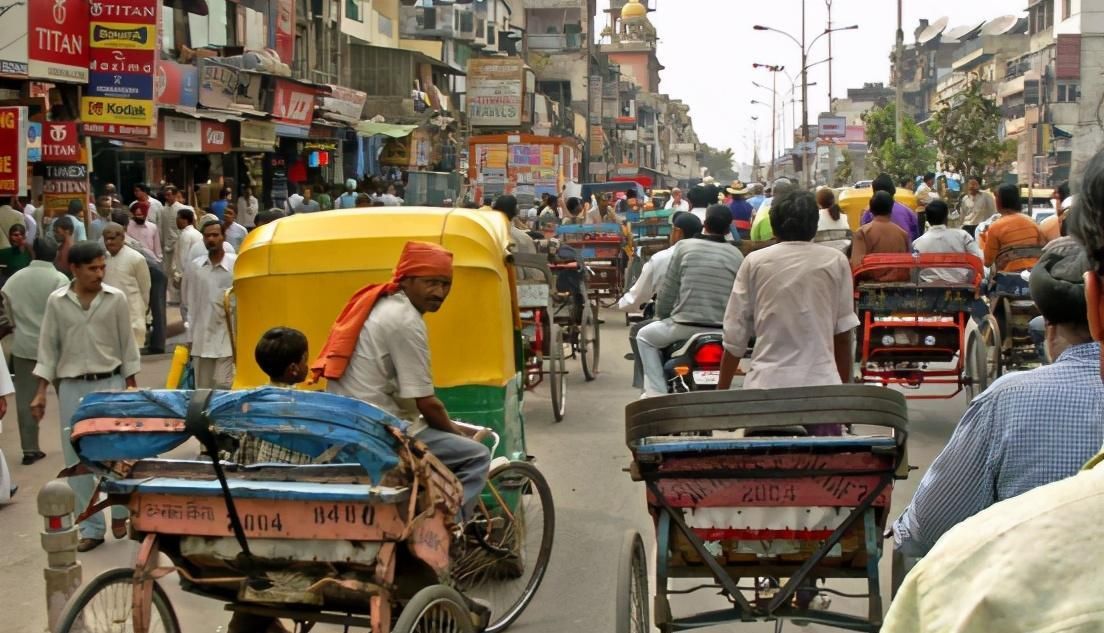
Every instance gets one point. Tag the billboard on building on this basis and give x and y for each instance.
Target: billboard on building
(123, 46)
(13, 151)
(58, 48)
(830, 126)
(496, 92)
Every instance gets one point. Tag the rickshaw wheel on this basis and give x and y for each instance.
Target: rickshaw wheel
(108, 602)
(991, 337)
(507, 568)
(589, 342)
(632, 586)
(557, 369)
(976, 365)
(435, 609)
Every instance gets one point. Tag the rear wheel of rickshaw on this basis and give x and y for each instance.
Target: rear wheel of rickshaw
(435, 609)
(994, 353)
(632, 587)
(975, 365)
(589, 342)
(106, 605)
(506, 568)
(557, 370)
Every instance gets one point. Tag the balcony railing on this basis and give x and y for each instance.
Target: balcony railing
(555, 42)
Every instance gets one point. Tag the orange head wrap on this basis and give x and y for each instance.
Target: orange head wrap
(418, 259)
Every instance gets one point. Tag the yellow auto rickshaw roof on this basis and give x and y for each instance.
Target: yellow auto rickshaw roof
(853, 201)
(301, 270)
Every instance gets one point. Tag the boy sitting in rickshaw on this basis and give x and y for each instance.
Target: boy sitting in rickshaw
(378, 352)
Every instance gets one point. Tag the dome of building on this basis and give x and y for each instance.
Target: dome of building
(633, 9)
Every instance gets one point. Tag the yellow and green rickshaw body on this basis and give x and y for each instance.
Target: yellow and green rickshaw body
(301, 270)
(854, 201)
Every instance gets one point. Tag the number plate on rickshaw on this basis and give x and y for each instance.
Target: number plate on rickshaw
(266, 518)
(707, 377)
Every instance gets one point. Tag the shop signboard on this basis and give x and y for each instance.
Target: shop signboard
(13, 151)
(64, 183)
(831, 126)
(34, 142)
(278, 189)
(215, 137)
(60, 143)
(344, 104)
(123, 47)
(176, 84)
(495, 92)
(58, 45)
(181, 134)
(257, 135)
(292, 103)
(218, 84)
(13, 57)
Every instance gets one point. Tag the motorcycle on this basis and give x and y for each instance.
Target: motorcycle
(1037, 329)
(694, 364)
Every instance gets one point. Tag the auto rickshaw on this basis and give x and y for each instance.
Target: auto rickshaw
(300, 271)
(854, 201)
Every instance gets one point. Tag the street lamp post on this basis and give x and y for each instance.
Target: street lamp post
(774, 126)
(805, 80)
(774, 70)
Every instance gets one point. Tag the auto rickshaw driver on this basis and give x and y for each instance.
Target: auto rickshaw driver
(378, 351)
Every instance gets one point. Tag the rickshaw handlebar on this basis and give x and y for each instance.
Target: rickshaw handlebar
(480, 432)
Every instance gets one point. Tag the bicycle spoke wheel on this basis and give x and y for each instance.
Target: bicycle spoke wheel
(556, 375)
(106, 605)
(632, 587)
(435, 609)
(518, 522)
(588, 348)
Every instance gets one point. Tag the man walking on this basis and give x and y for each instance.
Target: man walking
(143, 231)
(676, 201)
(189, 237)
(85, 345)
(976, 206)
(248, 207)
(205, 283)
(25, 296)
(159, 288)
(154, 206)
(168, 230)
(127, 271)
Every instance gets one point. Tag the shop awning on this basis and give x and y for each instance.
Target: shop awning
(371, 128)
(1060, 133)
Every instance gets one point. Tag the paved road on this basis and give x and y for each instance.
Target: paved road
(582, 457)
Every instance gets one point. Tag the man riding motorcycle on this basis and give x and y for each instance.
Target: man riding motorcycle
(693, 295)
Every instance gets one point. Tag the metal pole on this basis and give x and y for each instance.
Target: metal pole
(828, 3)
(805, 103)
(774, 119)
(899, 120)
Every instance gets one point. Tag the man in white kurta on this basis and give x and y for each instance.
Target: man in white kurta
(127, 270)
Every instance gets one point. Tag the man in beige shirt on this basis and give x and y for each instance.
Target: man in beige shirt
(976, 206)
(127, 271)
(85, 345)
(881, 235)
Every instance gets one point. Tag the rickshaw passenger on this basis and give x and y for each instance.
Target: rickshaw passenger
(575, 214)
(941, 239)
(880, 235)
(378, 351)
(1029, 428)
(1012, 230)
(995, 558)
(519, 239)
(796, 299)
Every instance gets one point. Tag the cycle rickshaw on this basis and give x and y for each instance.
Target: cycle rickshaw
(354, 525)
(777, 508)
(909, 326)
(543, 340)
(602, 248)
(1007, 330)
(573, 308)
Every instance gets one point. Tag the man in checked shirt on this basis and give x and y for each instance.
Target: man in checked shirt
(1029, 428)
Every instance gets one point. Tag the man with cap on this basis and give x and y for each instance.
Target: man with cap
(686, 226)
(997, 558)
(742, 211)
(761, 230)
(1029, 428)
(901, 215)
(378, 352)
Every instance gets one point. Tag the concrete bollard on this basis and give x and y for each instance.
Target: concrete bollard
(56, 503)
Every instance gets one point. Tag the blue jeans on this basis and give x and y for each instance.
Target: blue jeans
(469, 460)
(70, 393)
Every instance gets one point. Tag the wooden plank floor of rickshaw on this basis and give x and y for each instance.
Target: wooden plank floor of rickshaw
(273, 490)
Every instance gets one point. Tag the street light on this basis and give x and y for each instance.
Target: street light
(805, 78)
(773, 70)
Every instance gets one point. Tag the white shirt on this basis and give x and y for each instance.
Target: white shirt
(75, 342)
(30, 223)
(166, 227)
(156, 210)
(247, 211)
(199, 251)
(189, 237)
(235, 235)
(128, 272)
(826, 223)
(202, 294)
(1025, 565)
(940, 239)
(682, 205)
(794, 297)
(390, 364)
(25, 296)
(924, 194)
(699, 212)
(647, 284)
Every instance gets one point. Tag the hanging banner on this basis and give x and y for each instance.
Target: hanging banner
(13, 151)
(176, 84)
(285, 30)
(60, 143)
(64, 183)
(58, 47)
(124, 44)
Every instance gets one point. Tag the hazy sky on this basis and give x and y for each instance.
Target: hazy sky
(708, 47)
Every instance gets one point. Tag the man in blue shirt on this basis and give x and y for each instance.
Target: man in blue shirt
(902, 216)
(1029, 428)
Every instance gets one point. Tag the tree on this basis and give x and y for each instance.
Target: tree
(845, 171)
(966, 135)
(718, 162)
(912, 158)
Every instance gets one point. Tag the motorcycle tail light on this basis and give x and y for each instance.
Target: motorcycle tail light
(709, 355)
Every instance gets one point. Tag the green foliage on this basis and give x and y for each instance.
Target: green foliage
(966, 135)
(912, 158)
(718, 161)
(845, 171)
